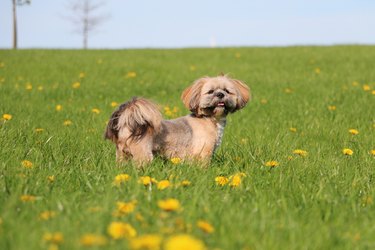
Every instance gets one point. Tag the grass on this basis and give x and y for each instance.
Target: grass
(321, 201)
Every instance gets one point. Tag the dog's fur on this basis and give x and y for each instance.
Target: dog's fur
(139, 131)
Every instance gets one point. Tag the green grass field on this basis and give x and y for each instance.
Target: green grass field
(57, 174)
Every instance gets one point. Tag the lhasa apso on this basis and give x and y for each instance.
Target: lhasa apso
(140, 132)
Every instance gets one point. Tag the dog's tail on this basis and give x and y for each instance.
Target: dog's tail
(133, 119)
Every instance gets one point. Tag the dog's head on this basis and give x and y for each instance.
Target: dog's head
(215, 96)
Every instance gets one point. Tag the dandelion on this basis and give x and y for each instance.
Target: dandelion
(317, 71)
(347, 151)
(272, 164)
(121, 230)
(331, 108)
(95, 111)
(29, 86)
(67, 123)
(131, 74)
(7, 117)
(146, 242)
(192, 67)
(76, 85)
(82, 75)
(366, 87)
(205, 226)
(2, 64)
(183, 242)
(169, 205)
(114, 104)
(51, 179)
(300, 152)
(47, 215)
(185, 183)
(294, 130)
(120, 178)
(235, 180)
(58, 107)
(39, 130)
(27, 198)
(54, 238)
(373, 92)
(353, 131)
(124, 208)
(90, 240)
(99, 61)
(263, 101)
(163, 184)
(288, 90)
(355, 83)
(27, 164)
(147, 180)
(221, 180)
(40, 88)
(176, 160)
(237, 55)
(372, 152)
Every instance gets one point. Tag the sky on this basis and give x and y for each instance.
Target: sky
(194, 23)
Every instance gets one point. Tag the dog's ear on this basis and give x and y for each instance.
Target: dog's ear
(243, 93)
(191, 96)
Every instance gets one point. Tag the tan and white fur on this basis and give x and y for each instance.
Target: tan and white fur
(140, 133)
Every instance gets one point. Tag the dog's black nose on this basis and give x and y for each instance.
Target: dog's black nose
(220, 95)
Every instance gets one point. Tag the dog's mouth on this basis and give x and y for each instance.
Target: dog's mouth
(220, 104)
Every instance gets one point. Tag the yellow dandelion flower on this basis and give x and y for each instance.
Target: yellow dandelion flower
(120, 178)
(99, 61)
(67, 123)
(39, 130)
(124, 208)
(51, 179)
(372, 152)
(293, 130)
(192, 67)
(147, 180)
(331, 108)
(95, 111)
(114, 104)
(347, 151)
(183, 242)
(355, 83)
(288, 90)
(27, 164)
(139, 217)
(54, 238)
(58, 107)
(92, 240)
(272, 164)
(366, 87)
(300, 152)
(27, 198)
(2, 64)
(169, 205)
(40, 88)
(176, 160)
(163, 184)
(205, 226)
(353, 131)
(47, 215)
(82, 75)
(237, 55)
(221, 180)
(29, 86)
(235, 180)
(121, 230)
(185, 183)
(131, 74)
(7, 117)
(146, 242)
(317, 71)
(76, 85)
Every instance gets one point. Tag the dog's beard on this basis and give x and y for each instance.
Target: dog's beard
(217, 107)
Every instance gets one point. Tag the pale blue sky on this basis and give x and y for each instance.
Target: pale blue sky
(196, 23)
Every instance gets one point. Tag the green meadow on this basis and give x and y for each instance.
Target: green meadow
(60, 186)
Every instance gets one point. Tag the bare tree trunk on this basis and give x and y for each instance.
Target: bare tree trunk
(14, 25)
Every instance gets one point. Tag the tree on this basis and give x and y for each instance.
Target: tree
(84, 17)
(15, 3)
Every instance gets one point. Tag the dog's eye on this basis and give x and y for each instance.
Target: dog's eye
(227, 91)
(210, 92)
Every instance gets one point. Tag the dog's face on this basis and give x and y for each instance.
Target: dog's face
(215, 96)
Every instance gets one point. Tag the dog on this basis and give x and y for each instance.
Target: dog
(140, 132)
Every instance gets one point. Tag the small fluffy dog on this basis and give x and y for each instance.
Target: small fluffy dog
(139, 131)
